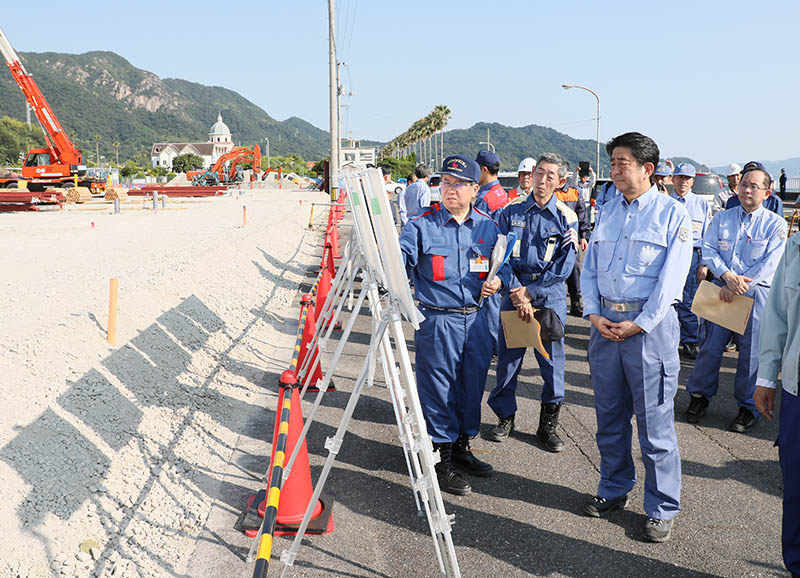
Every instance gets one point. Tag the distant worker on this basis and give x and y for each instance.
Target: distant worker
(411, 178)
(542, 259)
(634, 271)
(388, 186)
(662, 177)
(733, 174)
(777, 354)
(525, 176)
(700, 215)
(491, 196)
(416, 196)
(584, 183)
(608, 192)
(447, 252)
(782, 183)
(742, 248)
(571, 197)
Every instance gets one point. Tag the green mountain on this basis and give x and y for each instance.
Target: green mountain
(512, 144)
(101, 93)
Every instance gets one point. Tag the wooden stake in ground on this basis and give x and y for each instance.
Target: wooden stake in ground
(113, 291)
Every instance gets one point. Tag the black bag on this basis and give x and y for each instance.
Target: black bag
(550, 322)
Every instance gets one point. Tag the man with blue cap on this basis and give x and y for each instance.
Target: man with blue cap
(543, 257)
(491, 195)
(447, 254)
(662, 177)
(742, 247)
(700, 214)
(634, 271)
(778, 352)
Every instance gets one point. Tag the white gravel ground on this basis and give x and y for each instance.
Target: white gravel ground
(121, 445)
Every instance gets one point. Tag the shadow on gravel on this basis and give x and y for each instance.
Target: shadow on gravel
(156, 372)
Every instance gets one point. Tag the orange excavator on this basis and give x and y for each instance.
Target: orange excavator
(222, 173)
(60, 163)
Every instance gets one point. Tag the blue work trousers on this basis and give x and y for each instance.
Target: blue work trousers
(638, 376)
(704, 378)
(789, 446)
(453, 353)
(503, 398)
(690, 325)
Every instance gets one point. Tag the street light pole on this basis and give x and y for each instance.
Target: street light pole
(333, 164)
(567, 87)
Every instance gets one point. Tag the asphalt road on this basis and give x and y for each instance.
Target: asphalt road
(525, 520)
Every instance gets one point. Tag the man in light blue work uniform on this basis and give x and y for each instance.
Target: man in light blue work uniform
(700, 214)
(633, 273)
(778, 352)
(416, 197)
(543, 257)
(742, 248)
(447, 251)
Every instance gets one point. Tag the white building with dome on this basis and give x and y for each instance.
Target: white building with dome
(219, 143)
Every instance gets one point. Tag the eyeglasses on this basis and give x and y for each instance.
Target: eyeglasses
(753, 188)
(455, 185)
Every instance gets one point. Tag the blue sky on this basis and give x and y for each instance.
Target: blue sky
(713, 80)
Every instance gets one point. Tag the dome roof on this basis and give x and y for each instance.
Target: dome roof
(219, 127)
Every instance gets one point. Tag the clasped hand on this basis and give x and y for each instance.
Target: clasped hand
(489, 288)
(614, 331)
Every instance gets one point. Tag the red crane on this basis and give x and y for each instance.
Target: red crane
(61, 161)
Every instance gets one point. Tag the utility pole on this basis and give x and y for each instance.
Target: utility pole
(333, 165)
(487, 142)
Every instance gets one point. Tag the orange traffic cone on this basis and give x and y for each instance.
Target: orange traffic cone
(323, 291)
(330, 265)
(297, 490)
(335, 241)
(306, 351)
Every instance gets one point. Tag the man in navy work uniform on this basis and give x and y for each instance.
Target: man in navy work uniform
(700, 214)
(742, 248)
(778, 352)
(662, 177)
(543, 257)
(634, 271)
(447, 253)
(491, 195)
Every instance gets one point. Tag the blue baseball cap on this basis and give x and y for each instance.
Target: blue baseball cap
(663, 170)
(488, 159)
(756, 166)
(684, 170)
(461, 167)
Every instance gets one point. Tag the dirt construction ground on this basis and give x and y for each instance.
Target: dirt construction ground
(145, 452)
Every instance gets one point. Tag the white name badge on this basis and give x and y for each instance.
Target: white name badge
(517, 247)
(479, 265)
(697, 226)
(518, 223)
(723, 245)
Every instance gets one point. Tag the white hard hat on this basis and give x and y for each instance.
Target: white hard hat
(734, 169)
(526, 165)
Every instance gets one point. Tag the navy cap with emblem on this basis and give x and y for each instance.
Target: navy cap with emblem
(756, 166)
(488, 159)
(462, 167)
(684, 170)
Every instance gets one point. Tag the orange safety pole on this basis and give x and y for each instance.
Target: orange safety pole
(244, 215)
(113, 291)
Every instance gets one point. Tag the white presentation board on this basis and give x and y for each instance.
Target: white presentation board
(362, 225)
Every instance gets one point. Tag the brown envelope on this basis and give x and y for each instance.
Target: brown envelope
(518, 333)
(709, 306)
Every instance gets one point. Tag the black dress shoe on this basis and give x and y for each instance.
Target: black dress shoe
(465, 460)
(689, 350)
(502, 430)
(744, 421)
(697, 408)
(599, 507)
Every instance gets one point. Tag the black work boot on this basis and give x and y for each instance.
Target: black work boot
(548, 420)
(466, 461)
(576, 307)
(502, 430)
(450, 480)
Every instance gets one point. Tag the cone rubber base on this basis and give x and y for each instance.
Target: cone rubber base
(252, 520)
(322, 524)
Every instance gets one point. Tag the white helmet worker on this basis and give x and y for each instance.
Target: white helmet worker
(734, 169)
(527, 165)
